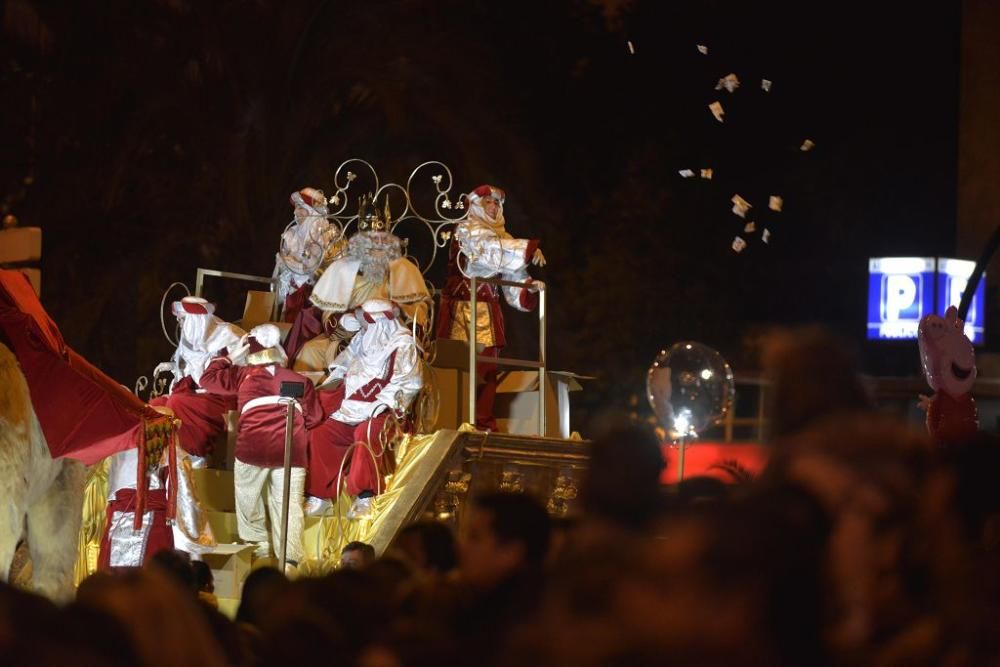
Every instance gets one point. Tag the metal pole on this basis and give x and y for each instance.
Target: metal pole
(286, 489)
(977, 273)
(473, 286)
(680, 458)
(541, 359)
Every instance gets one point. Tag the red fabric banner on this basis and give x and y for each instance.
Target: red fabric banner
(84, 414)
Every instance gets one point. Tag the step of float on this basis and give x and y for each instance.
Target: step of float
(230, 565)
(215, 489)
(223, 525)
(314, 530)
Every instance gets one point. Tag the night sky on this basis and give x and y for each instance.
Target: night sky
(164, 136)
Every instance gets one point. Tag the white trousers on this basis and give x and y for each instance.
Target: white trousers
(251, 522)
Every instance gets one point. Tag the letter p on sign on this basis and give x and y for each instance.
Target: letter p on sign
(900, 296)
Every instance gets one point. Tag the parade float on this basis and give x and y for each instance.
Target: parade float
(476, 420)
(430, 455)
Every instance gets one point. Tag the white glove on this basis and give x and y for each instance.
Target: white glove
(164, 367)
(538, 259)
(238, 351)
(350, 322)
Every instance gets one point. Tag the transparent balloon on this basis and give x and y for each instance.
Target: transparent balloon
(690, 388)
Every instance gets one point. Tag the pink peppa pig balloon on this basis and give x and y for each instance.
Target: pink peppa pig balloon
(949, 363)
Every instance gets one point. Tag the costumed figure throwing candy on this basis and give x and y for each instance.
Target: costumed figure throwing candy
(483, 248)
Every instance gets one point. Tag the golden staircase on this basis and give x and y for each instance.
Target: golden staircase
(434, 475)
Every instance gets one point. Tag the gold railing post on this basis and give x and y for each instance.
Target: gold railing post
(475, 357)
(473, 316)
(541, 359)
(272, 283)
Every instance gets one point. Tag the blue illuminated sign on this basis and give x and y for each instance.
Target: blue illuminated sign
(901, 290)
(952, 276)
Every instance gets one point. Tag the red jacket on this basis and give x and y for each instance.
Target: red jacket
(261, 439)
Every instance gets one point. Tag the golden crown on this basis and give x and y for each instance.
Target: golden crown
(369, 219)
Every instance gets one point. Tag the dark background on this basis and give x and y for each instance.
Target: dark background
(163, 136)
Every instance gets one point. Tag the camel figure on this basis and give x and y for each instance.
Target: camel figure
(41, 496)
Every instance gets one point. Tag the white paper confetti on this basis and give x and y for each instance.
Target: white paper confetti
(765, 236)
(765, 85)
(730, 82)
(739, 244)
(631, 47)
(702, 49)
(750, 227)
(740, 206)
(706, 174)
(775, 203)
(717, 111)
(686, 173)
(807, 145)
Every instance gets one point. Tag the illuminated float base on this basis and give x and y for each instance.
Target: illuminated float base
(434, 475)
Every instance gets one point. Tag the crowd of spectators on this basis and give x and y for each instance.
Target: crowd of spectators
(859, 544)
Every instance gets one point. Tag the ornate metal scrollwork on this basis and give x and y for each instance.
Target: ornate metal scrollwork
(445, 211)
(564, 490)
(447, 503)
(511, 479)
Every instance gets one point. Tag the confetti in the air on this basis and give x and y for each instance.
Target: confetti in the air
(706, 174)
(775, 203)
(716, 109)
(765, 236)
(740, 206)
(631, 47)
(807, 145)
(765, 85)
(739, 244)
(730, 82)
(702, 49)
(686, 173)
(750, 227)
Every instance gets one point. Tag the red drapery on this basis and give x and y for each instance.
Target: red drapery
(84, 414)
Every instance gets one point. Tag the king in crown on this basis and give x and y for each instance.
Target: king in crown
(373, 267)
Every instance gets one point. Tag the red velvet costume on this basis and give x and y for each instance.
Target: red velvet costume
(201, 415)
(160, 535)
(329, 444)
(258, 478)
(261, 440)
(382, 373)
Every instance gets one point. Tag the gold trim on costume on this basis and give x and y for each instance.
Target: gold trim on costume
(328, 305)
(95, 502)
(460, 322)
